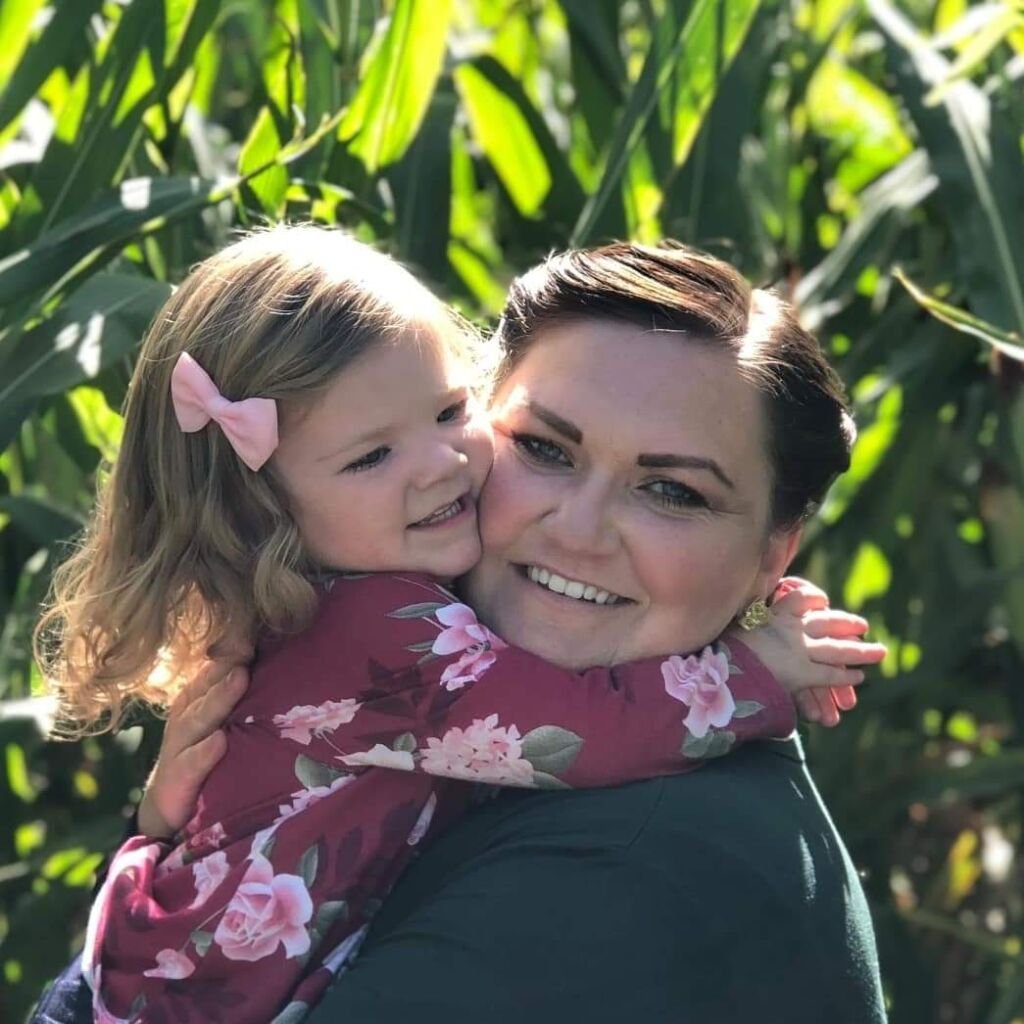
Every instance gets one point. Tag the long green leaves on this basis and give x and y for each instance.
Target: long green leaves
(819, 144)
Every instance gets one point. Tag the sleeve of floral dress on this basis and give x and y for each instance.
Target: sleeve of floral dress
(448, 697)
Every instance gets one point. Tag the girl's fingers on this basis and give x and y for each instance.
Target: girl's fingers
(197, 762)
(801, 601)
(821, 675)
(199, 685)
(817, 705)
(807, 703)
(833, 651)
(211, 701)
(827, 622)
(845, 697)
(789, 584)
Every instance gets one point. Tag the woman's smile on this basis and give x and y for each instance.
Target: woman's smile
(573, 589)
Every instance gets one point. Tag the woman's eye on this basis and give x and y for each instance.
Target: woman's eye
(453, 412)
(676, 495)
(541, 450)
(369, 460)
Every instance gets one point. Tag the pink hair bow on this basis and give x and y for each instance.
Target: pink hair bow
(250, 425)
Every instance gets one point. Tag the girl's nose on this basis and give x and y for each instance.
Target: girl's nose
(437, 463)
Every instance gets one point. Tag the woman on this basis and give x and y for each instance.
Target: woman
(663, 432)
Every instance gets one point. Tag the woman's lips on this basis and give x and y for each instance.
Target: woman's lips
(564, 586)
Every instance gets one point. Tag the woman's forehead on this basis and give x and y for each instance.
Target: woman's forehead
(632, 370)
(631, 391)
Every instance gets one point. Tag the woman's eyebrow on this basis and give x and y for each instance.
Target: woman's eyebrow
(670, 461)
(556, 423)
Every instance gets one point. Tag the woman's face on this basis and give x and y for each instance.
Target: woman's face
(631, 474)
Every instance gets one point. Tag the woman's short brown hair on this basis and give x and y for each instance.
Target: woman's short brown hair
(674, 288)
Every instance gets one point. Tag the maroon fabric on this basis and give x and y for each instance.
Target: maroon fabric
(341, 760)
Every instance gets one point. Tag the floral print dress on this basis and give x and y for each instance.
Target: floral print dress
(348, 750)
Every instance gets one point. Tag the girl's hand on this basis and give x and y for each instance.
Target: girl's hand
(813, 650)
(193, 743)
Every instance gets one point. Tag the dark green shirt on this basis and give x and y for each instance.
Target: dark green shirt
(720, 896)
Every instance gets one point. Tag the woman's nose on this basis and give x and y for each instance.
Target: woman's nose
(582, 522)
(438, 462)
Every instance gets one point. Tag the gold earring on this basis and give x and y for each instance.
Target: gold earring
(755, 614)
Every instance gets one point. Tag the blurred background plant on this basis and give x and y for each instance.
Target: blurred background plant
(866, 157)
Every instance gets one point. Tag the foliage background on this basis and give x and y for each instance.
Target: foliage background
(818, 143)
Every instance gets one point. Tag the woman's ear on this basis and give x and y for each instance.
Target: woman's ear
(779, 553)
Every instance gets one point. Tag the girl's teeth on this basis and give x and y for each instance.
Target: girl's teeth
(570, 588)
(445, 513)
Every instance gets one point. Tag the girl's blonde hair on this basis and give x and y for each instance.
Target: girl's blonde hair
(188, 550)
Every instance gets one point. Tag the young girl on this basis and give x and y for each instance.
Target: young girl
(301, 463)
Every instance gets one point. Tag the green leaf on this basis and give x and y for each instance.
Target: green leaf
(542, 780)
(421, 185)
(975, 152)
(397, 85)
(712, 37)
(1007, 342)
(406, 742)
(313, 774)
(105, 226)
(417, 611)
(96, 326)
(267, 849)
(551, 749)
(503, 133)
(262, 146)
(40, 519)
(746, 708)
(45, 54)
(659, 71)
(293, 1013)
(202, 941)
(869, 576)
(882, 207)
(714, 743)
(328, 913)
(308, 864)
(517, 141)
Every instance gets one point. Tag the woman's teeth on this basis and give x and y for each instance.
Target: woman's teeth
(442, 514)
(571, 588)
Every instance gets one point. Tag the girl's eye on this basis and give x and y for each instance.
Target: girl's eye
(453, 412)
(369, 460)
(541, 451)
(675, 495)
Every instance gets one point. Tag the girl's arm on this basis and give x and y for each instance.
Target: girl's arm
(446, 696)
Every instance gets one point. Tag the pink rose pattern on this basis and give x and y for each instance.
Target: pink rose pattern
(288, 884)
(304, 722)
(171, 964)
(474, 642)
(267, 911)
(209, 873)
(701, 682)
(485, 752)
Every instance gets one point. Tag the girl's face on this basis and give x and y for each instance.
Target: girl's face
(384, 469)
(627, 513)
